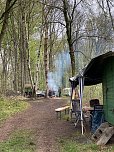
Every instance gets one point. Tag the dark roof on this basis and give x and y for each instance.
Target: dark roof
(92, 73)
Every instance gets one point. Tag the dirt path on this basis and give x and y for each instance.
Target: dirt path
(40, 118)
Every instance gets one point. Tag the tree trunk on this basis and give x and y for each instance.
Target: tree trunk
(45, 22)
(72, 57)
(4, 71)
(69, 35)
(45, 56)
(15, 45)
(22, 48)
(51, 49)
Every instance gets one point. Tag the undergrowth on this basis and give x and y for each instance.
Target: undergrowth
(9, 107)
(20, 141)
(75, 146)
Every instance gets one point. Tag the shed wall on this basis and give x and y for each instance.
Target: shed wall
(108, 90)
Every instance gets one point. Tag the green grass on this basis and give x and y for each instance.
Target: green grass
(20, 141)
(74, 146)
(9, 107)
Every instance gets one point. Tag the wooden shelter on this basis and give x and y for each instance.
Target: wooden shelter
(99, 70)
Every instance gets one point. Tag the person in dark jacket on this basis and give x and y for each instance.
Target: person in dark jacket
(34, 90)
(59, 91)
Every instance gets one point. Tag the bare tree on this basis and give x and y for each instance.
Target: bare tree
(68, 12)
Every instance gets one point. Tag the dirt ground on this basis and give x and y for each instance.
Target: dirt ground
(40, 118)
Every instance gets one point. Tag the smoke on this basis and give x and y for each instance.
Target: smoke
(61, 64)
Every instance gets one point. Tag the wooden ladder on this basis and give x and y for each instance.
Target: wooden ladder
(103, 133)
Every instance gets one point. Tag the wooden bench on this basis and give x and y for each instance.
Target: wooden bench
(59, 110)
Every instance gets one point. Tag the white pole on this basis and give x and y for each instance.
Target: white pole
(81, 95)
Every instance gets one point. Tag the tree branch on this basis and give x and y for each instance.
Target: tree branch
(83, 55)
(51, 6)
(58, 23)
(72, 14)
(109, 9)
(102, 7)
(8, 9)
(88, 36)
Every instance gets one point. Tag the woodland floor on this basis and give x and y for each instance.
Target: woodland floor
(41, 119)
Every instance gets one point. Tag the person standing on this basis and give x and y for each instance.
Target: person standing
(34, 90)
(59, 91)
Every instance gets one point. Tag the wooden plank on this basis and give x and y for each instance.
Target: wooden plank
(62, 108)
(100, 131)
(107, 134)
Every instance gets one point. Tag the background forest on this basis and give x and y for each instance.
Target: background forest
(48, 41)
